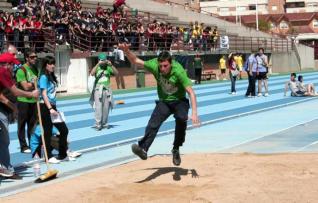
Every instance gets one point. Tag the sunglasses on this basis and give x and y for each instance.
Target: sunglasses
(32, 57)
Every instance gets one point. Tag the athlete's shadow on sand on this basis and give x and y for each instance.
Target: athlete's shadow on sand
(177, 173)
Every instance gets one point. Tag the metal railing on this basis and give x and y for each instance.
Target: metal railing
(155, 42)
(42, 40)
(46, 41)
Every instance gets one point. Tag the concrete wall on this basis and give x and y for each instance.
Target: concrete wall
(77, 76)
(284, 62)
(77, 72)
(306, 56)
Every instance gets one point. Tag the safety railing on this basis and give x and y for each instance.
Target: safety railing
(46, 41)
(174, 42)
(39, 40)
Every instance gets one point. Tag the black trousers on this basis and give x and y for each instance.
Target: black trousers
(27, 115)
(251, 85)
(162, 111)
(198, 74)
(47, 126)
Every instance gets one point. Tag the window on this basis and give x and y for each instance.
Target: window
(295, 5)
(315, 23)
(274, 8)
(224, 9)
(312, 5)
(252, 7)
(241, 8)
(283, 25)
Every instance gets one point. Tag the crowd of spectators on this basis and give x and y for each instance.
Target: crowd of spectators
(32, 23)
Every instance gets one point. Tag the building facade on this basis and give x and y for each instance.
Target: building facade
(248, 7)
(282, 24)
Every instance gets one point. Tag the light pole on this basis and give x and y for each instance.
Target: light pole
(236, 12)
(256, 15)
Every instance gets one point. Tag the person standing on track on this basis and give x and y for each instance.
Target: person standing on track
(172, 86)
(102, 94)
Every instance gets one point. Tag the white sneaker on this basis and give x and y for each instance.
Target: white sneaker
(4, 172)
(233, 93)
(259, 94)
(54, 160)
(26, 151)
(73, 154)
(266, 95)
(68, 159)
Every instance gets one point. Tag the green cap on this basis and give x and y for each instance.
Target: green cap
(102, 56)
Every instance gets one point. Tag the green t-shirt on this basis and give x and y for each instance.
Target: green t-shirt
(105, 79)
(28, 76)
(170, 87)
(197, 63)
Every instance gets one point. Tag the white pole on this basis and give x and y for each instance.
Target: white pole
(256, 16)
(236, 20)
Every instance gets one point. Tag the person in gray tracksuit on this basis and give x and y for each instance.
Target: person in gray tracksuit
(102, 93)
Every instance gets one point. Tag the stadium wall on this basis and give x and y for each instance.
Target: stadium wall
(78, 70)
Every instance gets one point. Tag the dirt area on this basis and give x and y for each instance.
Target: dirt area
(200, 178)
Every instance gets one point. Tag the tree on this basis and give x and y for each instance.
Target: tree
(264, 26)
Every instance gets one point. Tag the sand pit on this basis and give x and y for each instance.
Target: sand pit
(201, 178)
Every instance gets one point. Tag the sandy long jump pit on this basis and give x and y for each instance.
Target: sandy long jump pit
(200, 178)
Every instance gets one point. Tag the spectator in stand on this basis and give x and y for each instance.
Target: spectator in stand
(214, 37)
(161, 36)
(2, 27)
(133, 37)
(99, 10)
(9, 28)
(39, 44)
(21, 29)
(117, 4)
(186, 36)
(195, 38)
(169, 37)
(205, 38)
(141, 34)
(151, 35)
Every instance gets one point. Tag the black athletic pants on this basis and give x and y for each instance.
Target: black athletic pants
(162, 111)
(47, 126)
(251, 85)
(27, 115)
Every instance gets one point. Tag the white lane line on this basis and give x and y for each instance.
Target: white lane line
(306, 146)
(258, 138)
